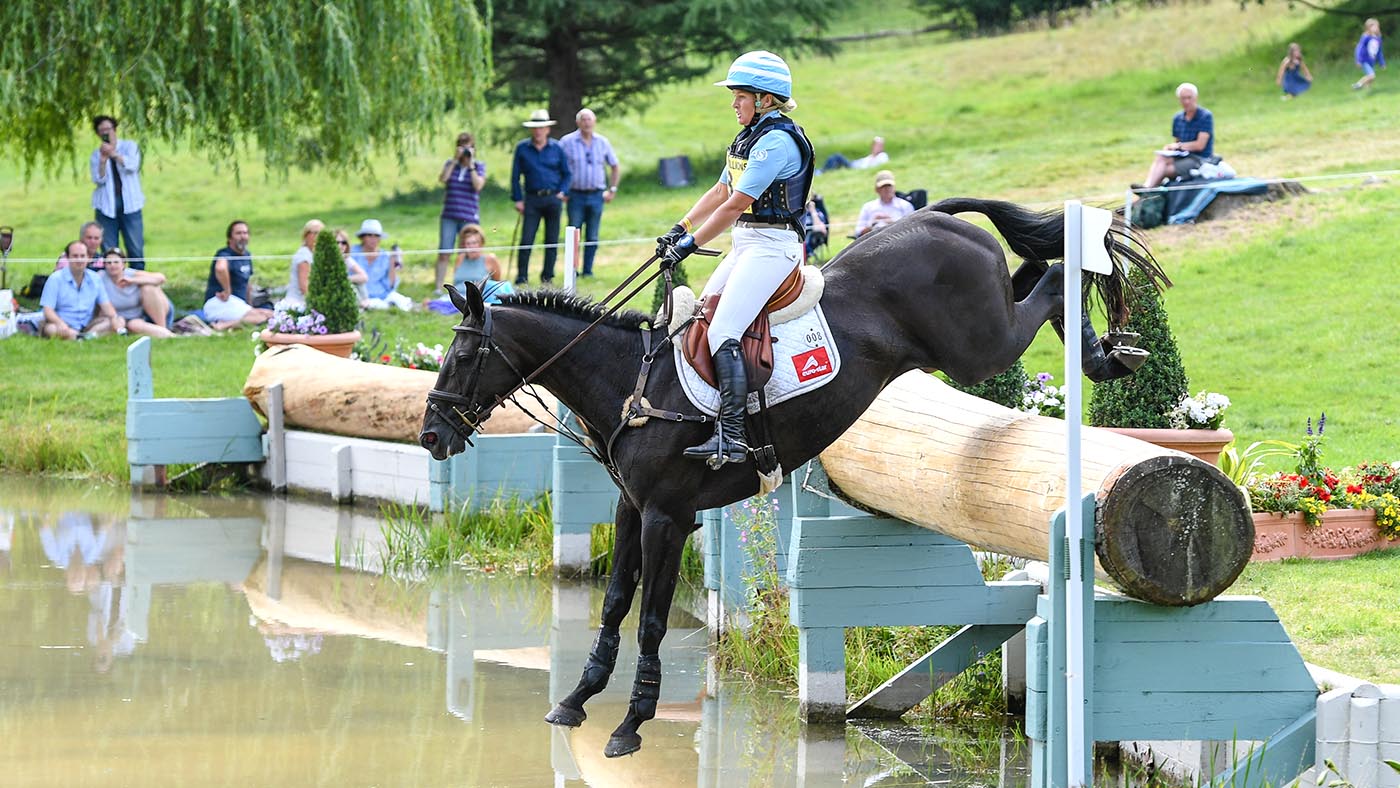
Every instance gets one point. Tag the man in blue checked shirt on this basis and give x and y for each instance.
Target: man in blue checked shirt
(539, 184)
(588, 154)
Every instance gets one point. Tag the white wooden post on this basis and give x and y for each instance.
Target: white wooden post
(571, 258)
(276, 439)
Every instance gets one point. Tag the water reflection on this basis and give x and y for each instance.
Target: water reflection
(168, 640)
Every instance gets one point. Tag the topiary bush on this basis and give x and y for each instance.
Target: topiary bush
(328, 288)
(1144, 399)
(1006, 389)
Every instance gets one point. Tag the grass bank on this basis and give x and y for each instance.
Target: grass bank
(1281, 309)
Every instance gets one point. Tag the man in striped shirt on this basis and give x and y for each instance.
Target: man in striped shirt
(588, 154)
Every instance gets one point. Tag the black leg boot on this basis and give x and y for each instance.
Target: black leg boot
(729, 443)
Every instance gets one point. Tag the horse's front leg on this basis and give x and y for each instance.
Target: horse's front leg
(663, 541)
(627, 560)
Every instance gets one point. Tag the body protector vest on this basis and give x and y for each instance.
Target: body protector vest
(785, 199)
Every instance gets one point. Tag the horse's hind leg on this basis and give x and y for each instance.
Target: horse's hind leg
(663, 540)
(1103, 358)
(622, 585)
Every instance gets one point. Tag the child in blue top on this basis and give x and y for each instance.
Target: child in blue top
(1368, 54)
(1293, 75)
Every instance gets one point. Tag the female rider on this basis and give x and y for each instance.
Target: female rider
(762, 194)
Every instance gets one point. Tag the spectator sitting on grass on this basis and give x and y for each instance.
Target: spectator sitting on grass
(886, 208)
(381, 266)
(136, 296)
(357, 275)
(875, 158)
(301, 266)
(1293, 75)
(91, 236)
(226, 293)
(474, 265)
(72, 297)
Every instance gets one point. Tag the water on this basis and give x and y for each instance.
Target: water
(203, 640)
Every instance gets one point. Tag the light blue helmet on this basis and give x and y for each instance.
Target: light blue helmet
(760, 71)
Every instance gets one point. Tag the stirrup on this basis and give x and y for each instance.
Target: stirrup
(725, 453)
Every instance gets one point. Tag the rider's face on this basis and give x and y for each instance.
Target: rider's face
(743, 105)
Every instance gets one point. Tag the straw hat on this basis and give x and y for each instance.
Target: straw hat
(538, 118)
(884, 178)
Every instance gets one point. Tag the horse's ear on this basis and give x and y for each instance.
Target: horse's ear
(469, 303)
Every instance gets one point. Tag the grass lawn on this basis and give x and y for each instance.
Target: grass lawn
(1339, 613)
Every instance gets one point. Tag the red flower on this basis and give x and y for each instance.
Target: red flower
(413, 366)
(1354, 489)
(1302, 482)
(1322, 494)
(384, 358)
(1330, 480)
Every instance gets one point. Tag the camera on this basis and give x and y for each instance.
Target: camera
(106, 136)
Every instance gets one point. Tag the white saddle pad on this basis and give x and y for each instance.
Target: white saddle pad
(804, 359)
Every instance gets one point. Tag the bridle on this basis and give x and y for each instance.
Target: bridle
(469, 414)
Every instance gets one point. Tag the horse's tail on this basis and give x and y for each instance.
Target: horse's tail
(1040, 237)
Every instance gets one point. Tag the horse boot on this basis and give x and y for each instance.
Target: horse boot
(646, 691)
(601, 660)
(730, 442)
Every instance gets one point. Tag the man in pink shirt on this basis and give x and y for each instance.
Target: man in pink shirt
(885, 209)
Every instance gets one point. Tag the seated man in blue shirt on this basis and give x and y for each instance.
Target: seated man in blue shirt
(1193, 129)
(70, 296)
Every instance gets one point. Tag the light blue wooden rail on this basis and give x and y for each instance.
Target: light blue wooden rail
(1225, 670)
(499, 466)
(163, 432)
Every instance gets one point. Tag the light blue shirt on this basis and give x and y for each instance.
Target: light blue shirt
(774, 156)
(104, 197)
(74, 303)
(378, 285)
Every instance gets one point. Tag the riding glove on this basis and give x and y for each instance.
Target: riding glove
(680, 249)
(664, 242)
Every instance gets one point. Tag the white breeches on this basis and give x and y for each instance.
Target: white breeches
(748, 277)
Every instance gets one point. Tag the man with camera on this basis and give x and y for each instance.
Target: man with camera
(463, 177)
(118, 199)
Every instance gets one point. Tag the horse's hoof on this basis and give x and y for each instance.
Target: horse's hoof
(563, 715)
(1132, 358)
(620, 745)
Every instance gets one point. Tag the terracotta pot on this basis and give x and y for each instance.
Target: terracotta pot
(1202, 444)
(334, 344)
(1343, 533)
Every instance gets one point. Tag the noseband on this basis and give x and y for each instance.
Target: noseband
(470, 413)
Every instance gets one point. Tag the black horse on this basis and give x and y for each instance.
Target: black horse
(929, 292)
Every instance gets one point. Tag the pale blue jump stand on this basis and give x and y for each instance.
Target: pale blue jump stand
(848, 568)
(1222, 671)
(584, 495)
(729, 568)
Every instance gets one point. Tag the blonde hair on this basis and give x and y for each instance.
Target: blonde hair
(787, 104)
(313, 226)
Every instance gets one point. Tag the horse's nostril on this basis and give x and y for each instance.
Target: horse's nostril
(428, 439)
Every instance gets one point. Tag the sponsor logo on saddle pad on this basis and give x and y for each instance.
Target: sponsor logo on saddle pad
(812, 364)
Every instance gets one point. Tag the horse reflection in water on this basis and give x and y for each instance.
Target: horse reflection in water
(929, 292)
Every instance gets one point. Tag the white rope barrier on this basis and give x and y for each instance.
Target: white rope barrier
(831, 225)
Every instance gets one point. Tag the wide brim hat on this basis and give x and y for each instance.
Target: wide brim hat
(884, 178)
(538, 119)
(370, 227)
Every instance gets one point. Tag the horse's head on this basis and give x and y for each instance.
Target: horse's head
(475, 377)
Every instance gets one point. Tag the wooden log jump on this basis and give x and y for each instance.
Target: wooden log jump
(326, 393)
(1170, 529)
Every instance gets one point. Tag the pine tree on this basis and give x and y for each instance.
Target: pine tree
(328, 289)
(1143, 399)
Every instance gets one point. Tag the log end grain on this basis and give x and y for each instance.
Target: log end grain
(1173, 530)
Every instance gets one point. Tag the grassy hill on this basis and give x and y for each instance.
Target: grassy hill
(1288, 309)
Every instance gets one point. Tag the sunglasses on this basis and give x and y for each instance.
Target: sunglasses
(343, 243)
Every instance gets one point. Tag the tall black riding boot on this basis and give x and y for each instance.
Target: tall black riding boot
(729, 443)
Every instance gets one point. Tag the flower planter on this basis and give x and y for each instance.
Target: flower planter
(334, 344)
(1205, 445)
(1343, 533)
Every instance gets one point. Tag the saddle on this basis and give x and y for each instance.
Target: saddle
(756, 345)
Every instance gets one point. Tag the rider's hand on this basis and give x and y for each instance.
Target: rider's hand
(682, 248)
(664, 242)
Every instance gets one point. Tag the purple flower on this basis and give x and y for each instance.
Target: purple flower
(1310, 425)
(1321, 422)
(1043, 377)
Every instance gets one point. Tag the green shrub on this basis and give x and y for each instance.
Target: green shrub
(328, 289)
(1144, 399)
(1007, 389)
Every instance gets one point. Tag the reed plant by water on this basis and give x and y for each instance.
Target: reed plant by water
(506, 533)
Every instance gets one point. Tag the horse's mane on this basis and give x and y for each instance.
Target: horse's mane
(558, 302)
